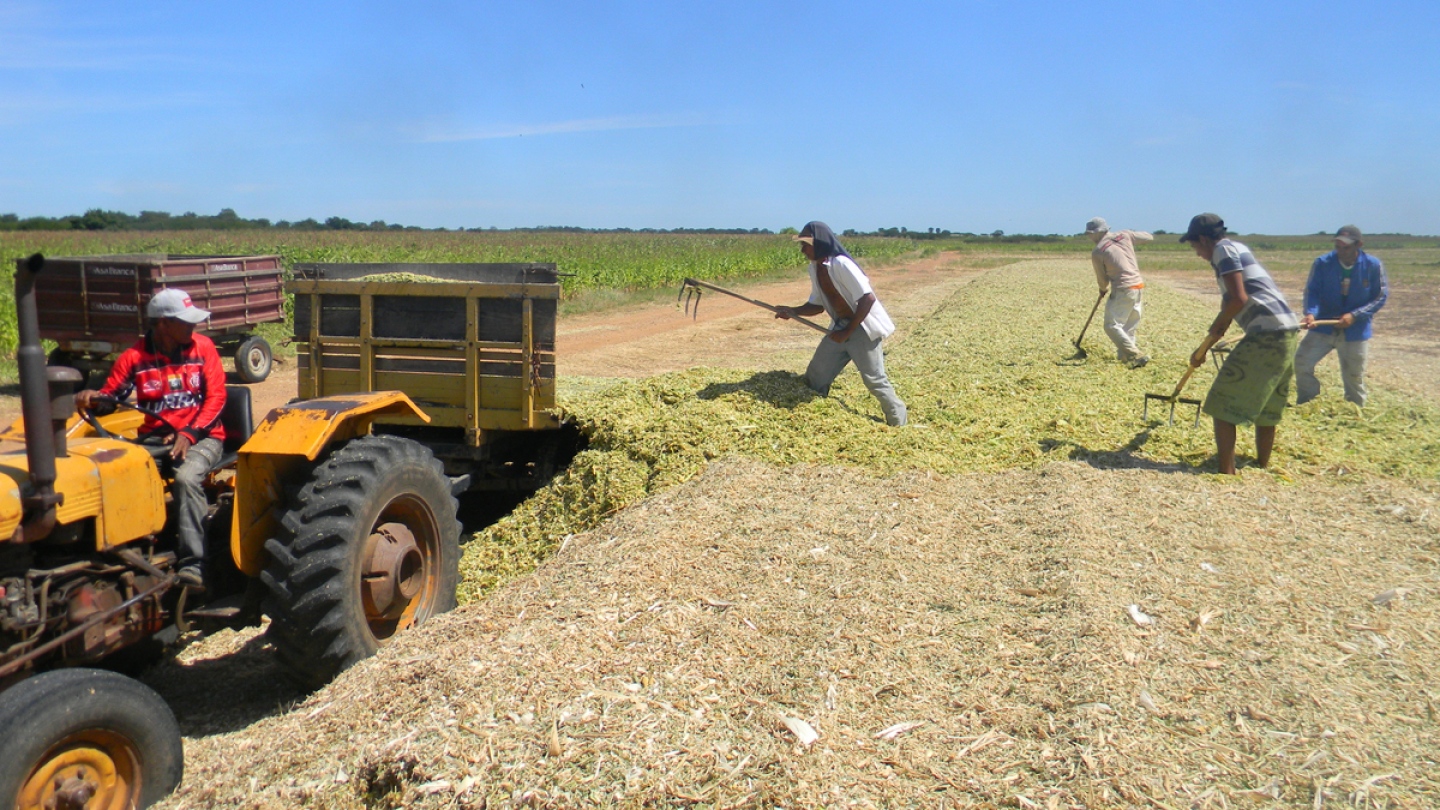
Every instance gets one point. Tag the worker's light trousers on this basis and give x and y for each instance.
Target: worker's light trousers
(831, 358)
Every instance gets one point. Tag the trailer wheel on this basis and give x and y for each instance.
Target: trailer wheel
(370, 547)
(86, 738)
(253, 359)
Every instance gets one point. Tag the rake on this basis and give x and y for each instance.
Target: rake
(691, 290)
(1080, 350)
(1174, 398)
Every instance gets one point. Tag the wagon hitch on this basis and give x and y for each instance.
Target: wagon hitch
(691, 290)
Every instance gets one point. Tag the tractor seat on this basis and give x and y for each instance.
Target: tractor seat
(238, 422)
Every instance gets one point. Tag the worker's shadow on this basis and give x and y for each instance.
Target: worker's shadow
(1125, 458)
(781, 389)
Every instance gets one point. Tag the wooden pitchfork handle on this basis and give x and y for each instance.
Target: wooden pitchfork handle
(1086, 327)
(1225, 345)
(690, 282)
(1210, 340)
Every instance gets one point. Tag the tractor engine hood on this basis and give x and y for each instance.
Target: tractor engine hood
(115, 483)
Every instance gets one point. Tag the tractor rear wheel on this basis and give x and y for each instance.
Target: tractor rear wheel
(369, 547)
(86, 738)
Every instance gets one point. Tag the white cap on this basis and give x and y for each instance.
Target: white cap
(173, 303)
(1097, 225)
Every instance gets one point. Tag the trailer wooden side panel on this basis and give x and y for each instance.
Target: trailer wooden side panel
(100, 300)
(475, 349)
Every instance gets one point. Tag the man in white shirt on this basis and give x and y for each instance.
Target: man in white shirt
(859, 322)
(1117, 270)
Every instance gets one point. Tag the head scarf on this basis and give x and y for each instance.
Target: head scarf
(826, 245)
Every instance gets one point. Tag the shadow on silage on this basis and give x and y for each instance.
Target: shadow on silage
(782, 389)
(1126, 458)
(226, 692)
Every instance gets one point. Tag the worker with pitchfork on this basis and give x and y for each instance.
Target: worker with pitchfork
(859, 322)
(1117, 270)
(1254, 383)
(1346, 285)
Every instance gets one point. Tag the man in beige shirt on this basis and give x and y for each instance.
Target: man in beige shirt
(1117, 271)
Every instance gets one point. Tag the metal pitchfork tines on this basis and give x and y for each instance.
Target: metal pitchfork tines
(1174, 398)
(691, 290)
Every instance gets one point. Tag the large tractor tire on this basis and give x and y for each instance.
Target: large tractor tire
(86, 738)
(369, 547)
(253, 359)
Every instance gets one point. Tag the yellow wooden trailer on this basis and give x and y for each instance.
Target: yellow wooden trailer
(473, 345)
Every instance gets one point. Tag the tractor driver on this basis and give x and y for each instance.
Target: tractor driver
(180, 385)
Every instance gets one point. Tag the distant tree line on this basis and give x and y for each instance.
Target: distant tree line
(942, 233)
(576, 229)
(97, 219)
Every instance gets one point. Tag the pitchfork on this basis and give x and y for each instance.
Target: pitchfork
(1174, 396)
(691, 290)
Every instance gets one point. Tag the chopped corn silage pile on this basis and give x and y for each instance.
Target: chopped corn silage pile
(992, 382)
(1030, 600)
(804, 636)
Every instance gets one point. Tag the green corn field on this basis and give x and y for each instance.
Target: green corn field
(590, 261)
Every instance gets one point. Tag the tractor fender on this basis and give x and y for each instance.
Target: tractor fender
(287, 441)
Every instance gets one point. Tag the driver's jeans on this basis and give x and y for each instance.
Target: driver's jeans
(190, 503)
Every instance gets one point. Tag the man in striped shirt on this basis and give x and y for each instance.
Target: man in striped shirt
(1117, 270)
(1254, 383)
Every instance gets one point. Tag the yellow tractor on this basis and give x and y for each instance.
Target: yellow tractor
(342, 536)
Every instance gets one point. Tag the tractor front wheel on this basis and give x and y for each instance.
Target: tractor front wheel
(370, 547)
(86, 738)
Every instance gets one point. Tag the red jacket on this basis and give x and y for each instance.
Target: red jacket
(187, 394)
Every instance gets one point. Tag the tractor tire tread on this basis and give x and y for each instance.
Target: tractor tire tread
(312, 591)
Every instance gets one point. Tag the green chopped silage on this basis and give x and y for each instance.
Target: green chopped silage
(415, 278)
(991, 382)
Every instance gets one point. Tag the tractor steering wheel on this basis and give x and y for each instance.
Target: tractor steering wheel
(104, 405)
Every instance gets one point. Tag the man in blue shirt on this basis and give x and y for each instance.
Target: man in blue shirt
(1348, 285)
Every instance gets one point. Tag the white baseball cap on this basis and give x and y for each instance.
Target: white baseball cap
(173, 303)
(1097, 225)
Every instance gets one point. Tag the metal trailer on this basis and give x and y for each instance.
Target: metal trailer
(95, 305)
(473, 345)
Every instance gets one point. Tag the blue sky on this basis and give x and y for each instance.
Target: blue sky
(1029, 117)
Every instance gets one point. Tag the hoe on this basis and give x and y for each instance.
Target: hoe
(691, 290)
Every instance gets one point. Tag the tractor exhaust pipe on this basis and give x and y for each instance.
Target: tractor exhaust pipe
(41, 401)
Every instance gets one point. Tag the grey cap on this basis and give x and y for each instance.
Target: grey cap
(1210, 225)
(1348, 235)
(173, 303)
(1097, 225)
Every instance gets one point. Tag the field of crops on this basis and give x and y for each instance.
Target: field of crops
(592, 261)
